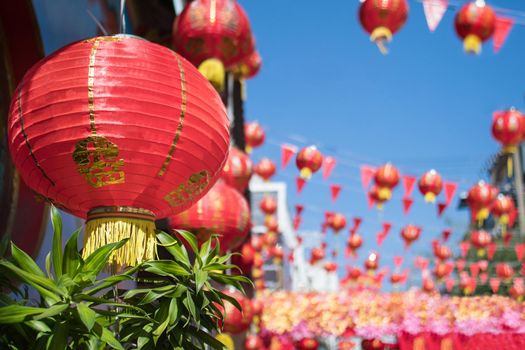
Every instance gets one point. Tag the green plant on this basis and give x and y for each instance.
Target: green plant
(76, 308)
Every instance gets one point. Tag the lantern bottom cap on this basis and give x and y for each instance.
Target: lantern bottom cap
(472, 44)
(107, 225)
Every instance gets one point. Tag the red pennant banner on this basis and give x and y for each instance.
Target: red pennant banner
(300, 182)
(299, 209)
(507, 238)
(357, 223)
(328, 166)
(446, 234)
(449, 284)
(464, 246)
(421, 262)
(371, 201)
(334, 191)
(494, 284)
(449, 189)
(287, 153)
(434, 11)
(484, 277)
(491, 249)
(380, 237)
(435, 244)
(520, 251)
(398, 260)
(501, 32)
(441, 208)
(405, 275)
(297, 222)
(460, 264)
(408, 183)
(367, 172)
(483, 265)
(474, 269)
(386, 227)
(407, 204)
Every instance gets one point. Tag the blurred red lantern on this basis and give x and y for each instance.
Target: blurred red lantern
(508, 128)
(336, 222)
(257, 307)
(430, 185)
(265, 169)
(386, 178)
(317, 255)
(442, 252)
(268, 205)
(372, 344)
(330, 266)
(442, 270)
(276, 252)
(410, 233)
(504, 271)
(346, 345)
(475, 24)
(480, 239)
(259, 284)
(309, 160)
(237, 170)
(373, 194)
(396, 278)
(214, 35)
(270, 239)
(258, 261)
(307, 344)
(502, 208)
(517, 291)
(428, 285)
(222, 211)
(249, 67)
(354, 241)
(245, 260)
(382, 19)
(271, 223)
(372, 262)
(480, 198)
(78, 141)
(257, 243)
(236, 321)
(257, 272)
(253, 342)
(254, 136)
(354, 273)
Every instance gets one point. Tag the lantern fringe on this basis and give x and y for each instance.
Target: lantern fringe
(306, 173)
(385, 193)
(141, 246)
(472, 44)
(380, 36)
(430, 197)
(213, 70)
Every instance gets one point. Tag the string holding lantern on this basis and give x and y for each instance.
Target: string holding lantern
(382, 19)
(237, 170)
(214, 35)
(222, 211)
(265, 169)
(480, 198)
(503, 208)
(508, 128)
(475, 23)
(86, 153)
(249, 67)
(254, 135)
(410, 234)
(308, 160)
(386, 179)
(481, 240)
(430, 185)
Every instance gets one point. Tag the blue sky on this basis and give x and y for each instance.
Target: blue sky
(425, 105)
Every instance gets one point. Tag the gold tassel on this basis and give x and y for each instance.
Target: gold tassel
(510, 165)
(472, 44)
(381, 35)
(213, 70)
(430, 197)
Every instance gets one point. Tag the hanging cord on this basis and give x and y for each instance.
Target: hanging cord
(122, 20)
(97, 22)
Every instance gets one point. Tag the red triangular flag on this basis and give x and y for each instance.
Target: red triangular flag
(449, 283)
(408, 184)
(299, 240)
(299, 209)
(501, 32)
(446, 234)
(421, 262)
(407, 203)
(483, 265)
(371, 201)
(287, 153)
(507, 238)
(450, 189)
(483, 277)
(491, 249)
(512, 217)
(334, 191)
(328, 166)
(494, 284)
(380, 237)
(290, 257)
(464, 246)
(300, 182)
(520, 250)
(386, 227)
(460, 264)
(367, 172)
(434, 11)
(357, 223)
(398, 260)
(441, 208)
(474, 269)
(297, 222)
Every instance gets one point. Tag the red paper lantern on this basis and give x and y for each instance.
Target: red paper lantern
(270, 239)
(257, 243)
(214, 35)
(317, 255)
(257, 307)
(372, 262)
(517, 291)
(508, 128)
(237, 170)
(481, 240)
(430, 185)
(386, 178)
(259, 284)
(258, 261)
(79, 139)
(254, 136)
(236, 321)
(374, 196)
(276, 252)
(410, 233)
(245, 260)
(504, 271)
(428, 285)
(441, 270)
(354, 273)
(330, 266)
(442, 252)
(336, 222)
(502, 208)
(268, 205)
(307, 344)
(222, 211)
(396, 278)
(271, 224)
(249, 67)
(480, 198)
(309, 160)
(475, 24)
(354, 242)
(372, 344)
(265, 169)
(253, 342)
(382, 19)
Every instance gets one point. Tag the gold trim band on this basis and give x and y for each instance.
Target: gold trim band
(121, 212)
(91, 83)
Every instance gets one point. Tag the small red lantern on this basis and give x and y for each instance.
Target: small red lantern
(410, 233)
(237, 170)
(223, 211)
(271, 224)
(336, 222)
(317, 255)
(508, 128)
(429, 285)
(253, 342)
(254, 136)
(372, 344)
(517, 291)
(236, 321)
(442, 270)
(330, 266)
(354, 273)
(307, 344)
(372, 262)
(79, 139)
(214, 35)
(249, 67)
(504, 271)
(442, 252)
(354, 242)
(396, 278)
(270, 239)
(245, 260)
(374, 196)
(309, 160)
(276, 252)
(475, 24)
(430, 185)
(265, 169)
(268, 205)
(480, 239)
(258, 261)
(382, 19)
(257, 307)
(386, 178)
(503, 207)
(257, 243)
(480, 198)
(259, 284)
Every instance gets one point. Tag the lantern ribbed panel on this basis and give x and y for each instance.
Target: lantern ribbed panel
(475, 20)
(391, 14)
(139, 96)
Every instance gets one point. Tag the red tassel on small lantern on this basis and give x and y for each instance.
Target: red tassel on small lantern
(475, 24)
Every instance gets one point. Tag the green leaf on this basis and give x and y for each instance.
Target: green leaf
(48, 265)
(162, 318)
(190, 239)
(4, 244)
(173, 311)
(52, 311)
(108, 282)
(207, 338)
(95, 262)
(18, 313)
(165, 268)
(106, 336)
(87, 315)
(56, 251)
(200, 278)
(190, 306)
(24, 261)
(38, 326)
(173, 247)
(59, 336)
(71, 260)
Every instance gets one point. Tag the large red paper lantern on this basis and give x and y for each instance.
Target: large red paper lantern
(253, 342)
(237, 170)
(309, 160)
(480, 198)
(307, 344)
(481, 240)
(222, 211)
(249, 67)
(430, 185)
(236, 321)
(268, 205)
(386, 178)
(336, 222)
(410, 233)
(265, 169)
(508, 128)
(382, 19)
(504, 271)
(503, 208)
(254, 135)
(475, 24)
(108, 129)
(214, 35)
